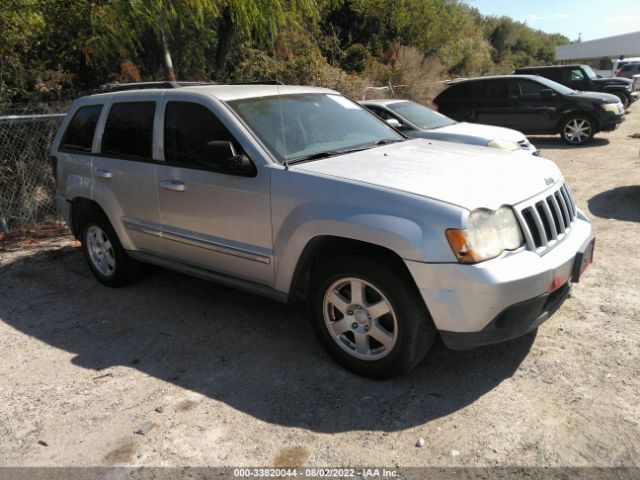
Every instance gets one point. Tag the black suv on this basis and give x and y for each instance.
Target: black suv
(583, 78)
(534, 105)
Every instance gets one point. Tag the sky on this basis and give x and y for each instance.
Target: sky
(590, 19)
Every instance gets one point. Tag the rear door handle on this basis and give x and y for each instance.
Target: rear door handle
(171, 184)
(103, 173)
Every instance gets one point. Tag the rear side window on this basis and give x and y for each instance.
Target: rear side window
(187, 129)
(79, 134)
(129, 130)
(493, 89)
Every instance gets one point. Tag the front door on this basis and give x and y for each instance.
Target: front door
(535, 107)
(211, 219)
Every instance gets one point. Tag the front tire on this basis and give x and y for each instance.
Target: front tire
(577, 130)
(623, 99)
(104, 253)
(369, 317)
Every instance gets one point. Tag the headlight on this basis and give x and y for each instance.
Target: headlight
(504, 145)
(610, 107)
(488, 234)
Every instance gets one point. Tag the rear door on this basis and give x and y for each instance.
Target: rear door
(493, 105)
(123, 180)
(211, 219)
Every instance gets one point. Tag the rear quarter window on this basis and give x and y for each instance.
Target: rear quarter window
(128, 131)
(455, 92)
(78, 137)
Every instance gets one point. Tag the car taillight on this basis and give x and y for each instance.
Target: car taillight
(54, 167)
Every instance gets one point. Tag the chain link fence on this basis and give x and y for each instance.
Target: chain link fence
(26, 181)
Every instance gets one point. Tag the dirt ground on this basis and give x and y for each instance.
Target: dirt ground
(231, 379)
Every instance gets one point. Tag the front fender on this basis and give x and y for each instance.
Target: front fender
(410, 226)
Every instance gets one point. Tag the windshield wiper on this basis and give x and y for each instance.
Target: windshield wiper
(333, 153)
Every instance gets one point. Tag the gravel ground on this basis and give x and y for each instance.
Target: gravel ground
(229, 379)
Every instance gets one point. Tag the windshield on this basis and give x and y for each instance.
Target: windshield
(420, 116)
(300, 126)
(589, 71)
(558, 88)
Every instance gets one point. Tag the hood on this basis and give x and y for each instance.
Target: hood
(612, 81)
(485, 131)
(603, 97)
(463, 175)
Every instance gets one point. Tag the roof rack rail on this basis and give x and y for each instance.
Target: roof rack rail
(121, 87)
(259, 82)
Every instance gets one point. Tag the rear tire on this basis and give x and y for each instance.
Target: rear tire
(577, 130)
(369, 317)
(104, 253)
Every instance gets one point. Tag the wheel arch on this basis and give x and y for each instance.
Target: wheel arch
(320, 248)
(81, 209)
(577, 113)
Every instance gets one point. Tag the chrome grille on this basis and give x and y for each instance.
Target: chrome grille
(547, 219)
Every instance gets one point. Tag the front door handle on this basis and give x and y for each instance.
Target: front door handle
(171, 184)
(103, 173)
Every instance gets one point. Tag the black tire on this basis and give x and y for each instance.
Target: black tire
(125, 269)
(577, 121)
(415, 329)
(623, 98)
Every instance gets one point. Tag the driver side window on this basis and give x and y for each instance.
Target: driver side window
(188, 127)
(526, 88)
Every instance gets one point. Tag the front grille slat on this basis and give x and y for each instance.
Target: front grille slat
(563, 207)
(537, 219)
(546, 220)
(551, 220)
(555, 207)
(569, 201)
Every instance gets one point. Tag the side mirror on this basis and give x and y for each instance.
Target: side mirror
(222, 154)
(392, 122)
(547, 93)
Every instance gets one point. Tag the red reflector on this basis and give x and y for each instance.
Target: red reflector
(557, 283)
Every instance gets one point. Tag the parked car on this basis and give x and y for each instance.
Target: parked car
(584, 79)
(618, 64)
(630, 71)
(418, 121)
(533, 105)
(300, 193)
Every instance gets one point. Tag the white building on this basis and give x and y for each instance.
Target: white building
(600, 52)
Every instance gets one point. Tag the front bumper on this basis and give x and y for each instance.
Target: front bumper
(473, 305)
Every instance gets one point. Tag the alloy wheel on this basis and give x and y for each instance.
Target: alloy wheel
(577, 130)
(101, 251)
(360, 319)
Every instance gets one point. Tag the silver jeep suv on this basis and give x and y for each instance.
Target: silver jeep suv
(300, 193)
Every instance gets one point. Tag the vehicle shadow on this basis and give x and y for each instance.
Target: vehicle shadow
(258, 356)
(556, 142)
(620, 203)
